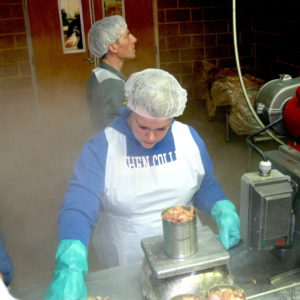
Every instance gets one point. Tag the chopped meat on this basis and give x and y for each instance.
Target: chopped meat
(178, 214)
(226, 294)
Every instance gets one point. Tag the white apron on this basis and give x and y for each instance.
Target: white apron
(135, 197)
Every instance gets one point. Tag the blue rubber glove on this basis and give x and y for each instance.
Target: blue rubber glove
(225, 215)
(69, 276)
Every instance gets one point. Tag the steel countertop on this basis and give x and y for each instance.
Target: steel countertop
(261, 274)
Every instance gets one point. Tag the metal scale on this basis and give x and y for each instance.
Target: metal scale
(164, 277)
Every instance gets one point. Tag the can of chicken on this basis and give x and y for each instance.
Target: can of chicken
(180, 231)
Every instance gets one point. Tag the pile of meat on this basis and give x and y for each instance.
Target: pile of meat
(226, 293)
(178, 214)
(226, 90)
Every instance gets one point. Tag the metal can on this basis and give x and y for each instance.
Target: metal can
(180, 238)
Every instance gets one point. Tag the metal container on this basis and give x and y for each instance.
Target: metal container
(272, 97)
(180, 238)
(195, 283)
(163, 277)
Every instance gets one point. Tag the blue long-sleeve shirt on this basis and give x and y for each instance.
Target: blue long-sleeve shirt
(5, 264)
(86, 188)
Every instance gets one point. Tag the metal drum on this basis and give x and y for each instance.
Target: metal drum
(272, 97)
(180, 238)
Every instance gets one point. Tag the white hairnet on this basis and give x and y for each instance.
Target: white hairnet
(155, 94)
(105, 32)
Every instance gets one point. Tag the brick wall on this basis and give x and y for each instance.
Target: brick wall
(193, 32)
(15, 74)
(276, 38)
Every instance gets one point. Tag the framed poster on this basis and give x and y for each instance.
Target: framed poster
(71, 23)
(113, 7)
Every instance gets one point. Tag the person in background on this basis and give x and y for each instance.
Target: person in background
(126, 175)
(6, 273)
(64, 17)
(110, 40)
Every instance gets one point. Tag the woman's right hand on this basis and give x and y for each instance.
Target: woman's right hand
(69, 275)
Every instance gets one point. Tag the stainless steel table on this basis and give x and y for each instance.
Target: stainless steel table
(261, 274)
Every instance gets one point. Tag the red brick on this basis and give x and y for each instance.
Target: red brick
(246, 50)
(168, 29)
(216, 52)
(12, 26)
(161, 16)
(169, 55)
(224, 39)
(210, 40)
(17, 11)
(198, 41)
(191, 54)
(5, 11)
(178, 15)
(25, 69)
(216, 27)
(190, 3)
(211, 61)
(7, 42)
(197, 14)
(21, 40)
(162, 43)
(226, 62)
(10, 1)
(15, 55)
(15, 84)
(217, 13)
(10, 70)
(177, 68)
(166, 4)
(191, 28)
(178, 42)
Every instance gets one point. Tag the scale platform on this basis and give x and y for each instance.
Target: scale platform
(210, 254)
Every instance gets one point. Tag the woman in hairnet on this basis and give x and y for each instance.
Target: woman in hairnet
(144, 162)
(110, 40)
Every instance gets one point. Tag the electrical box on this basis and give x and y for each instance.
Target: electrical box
(265, 209)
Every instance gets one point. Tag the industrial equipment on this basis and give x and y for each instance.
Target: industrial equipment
(270, 198)
(270, 220)
(272, 98)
